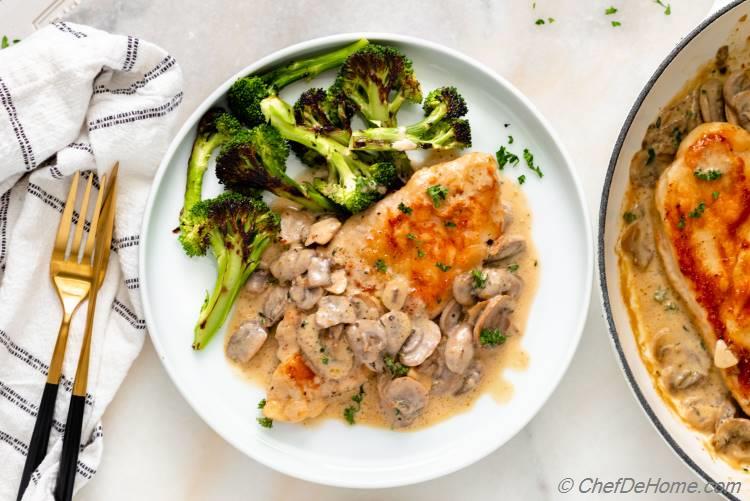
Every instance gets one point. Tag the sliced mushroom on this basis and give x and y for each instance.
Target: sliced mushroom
(329, 358)
(681, 359)
(319, 272)
(395, 293)
(472, 314)
(499, 281)
(291, 264)
(405, 398)
(366, 307)
(505, 247)
(463, 289)
(737, 82)
(286, 334)
(674, 123)
(270, 255)
(647, 165)
(421, 342)
(246, 341)
(637, 240)
(397, 326)
(334, 310)
(276, 300)
(742, 109)
(257, 282)
(712, 101)
(323, 231)
(722, 57)
(303, 296)
(732, 438)
(459, 348)
(338, 282)
(495, 315)
(295, 226)
(367, 340)
(451, 316)
(472, 377)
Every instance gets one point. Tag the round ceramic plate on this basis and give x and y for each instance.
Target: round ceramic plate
(333, 452)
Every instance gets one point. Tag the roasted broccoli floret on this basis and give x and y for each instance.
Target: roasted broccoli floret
(441, 128)
(378, 80)
(351, 182)
(239, 229)
(246, 93)
(256, 159)
(214, 129)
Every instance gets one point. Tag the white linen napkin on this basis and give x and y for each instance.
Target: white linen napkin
(71, 98)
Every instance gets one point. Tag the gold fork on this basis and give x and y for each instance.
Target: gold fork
(72, 273)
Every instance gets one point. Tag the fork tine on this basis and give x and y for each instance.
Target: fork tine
(63, 230)
(95, 220)
(82, 213)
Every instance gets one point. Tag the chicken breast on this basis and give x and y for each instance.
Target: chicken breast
(439, 225)
(703, 200)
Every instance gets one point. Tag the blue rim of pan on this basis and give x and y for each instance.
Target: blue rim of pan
(601, 249)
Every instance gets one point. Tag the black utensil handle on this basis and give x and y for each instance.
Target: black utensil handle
(71, 445)
(40, 436)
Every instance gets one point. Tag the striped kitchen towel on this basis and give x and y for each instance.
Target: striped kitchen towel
(72, 98)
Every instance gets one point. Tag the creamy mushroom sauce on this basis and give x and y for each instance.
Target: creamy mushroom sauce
(509, 355)
(670, 345)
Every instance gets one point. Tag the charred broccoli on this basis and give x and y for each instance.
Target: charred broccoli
(441, 128)
(256, 159)
(246, 93)
(239, 229)
(378, 80)
(352, 183)
(214, 129)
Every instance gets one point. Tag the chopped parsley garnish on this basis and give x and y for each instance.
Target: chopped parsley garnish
(262, 404)
(510, 139)
(513, 268)
(681, 222)
(505, 157)
(550, 20)
(5, 42)
(491, 337)
(265, 422)
(698, 211)
(397, 369)
(442, 266)
(667, 7)
(479, 279)
(530, 162)
(521, 179)
(324, 359)
(411, 236)
(715, 195)
(708, 175)
(420, 253)
(450, 224)
(615, 24)
(351, 411)
(438, 194)
(539, 22)
(381, 266)
(405, 208)
(629, 217)
(651, 156)
(676, 137)
(610, 11)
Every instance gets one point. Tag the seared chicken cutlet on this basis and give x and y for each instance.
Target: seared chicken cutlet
(703, 200)
(441, 224)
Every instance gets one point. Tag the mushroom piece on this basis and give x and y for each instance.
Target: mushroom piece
(722, 56)
(420, 344)
(712, 101)
(397, 326)
(472, 377)
(394, 293)
(305, 297)
(291, 264)
(276, 300)
(366, 307)
(637, 240)
(330, 358)
(319, 272)
(499, 281)
(505, 247)
(495, 315)
(367, 340)
(459, 348)
(681, 360)
(295, 226)
(246, 341)
(463, 289)
(647, 165)
(334, 310)
(451, 316)
(742, 109)
(674, 123)
(323, 231)
(732, 438)
(507, 214)
(338, 282)
(286, 334)
(405, 398)
(257, 282)
(270, 255)
(737, 82)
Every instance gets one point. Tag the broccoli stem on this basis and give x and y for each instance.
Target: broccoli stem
(383, 138)
(233, 272)
(197, 166)
(311, 67)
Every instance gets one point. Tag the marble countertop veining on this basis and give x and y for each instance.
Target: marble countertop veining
(581, 72)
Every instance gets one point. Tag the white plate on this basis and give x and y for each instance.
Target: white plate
(334, 453)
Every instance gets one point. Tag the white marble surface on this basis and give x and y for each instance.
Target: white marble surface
(582, 73)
